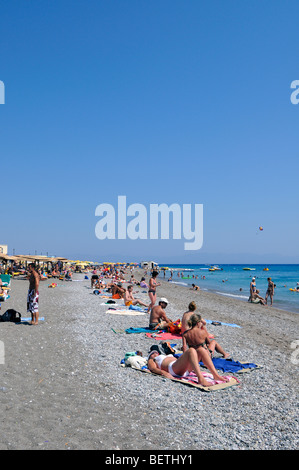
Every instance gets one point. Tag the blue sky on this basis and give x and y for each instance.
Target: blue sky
(161, 101)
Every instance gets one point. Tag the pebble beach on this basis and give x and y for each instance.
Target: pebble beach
(62, 386)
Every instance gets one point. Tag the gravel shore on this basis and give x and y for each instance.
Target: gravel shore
(62, 386)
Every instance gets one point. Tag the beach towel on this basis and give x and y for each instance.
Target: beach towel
(135, 307)
(26, 319)
(216, 322)
(161, 334)
(118, 331)
(192, 380)
(124, 312)
(137, 330)
(229, 365)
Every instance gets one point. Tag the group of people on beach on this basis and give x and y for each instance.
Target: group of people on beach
(197, 344)
(255, 296)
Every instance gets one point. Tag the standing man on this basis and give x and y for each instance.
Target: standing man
(270, 290)
(33, 295)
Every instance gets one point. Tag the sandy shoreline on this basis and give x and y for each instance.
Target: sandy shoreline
(62, 386)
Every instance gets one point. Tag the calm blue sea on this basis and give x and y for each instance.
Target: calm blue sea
(232, 280)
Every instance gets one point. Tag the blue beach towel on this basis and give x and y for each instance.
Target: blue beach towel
(29, 319)
(135, 307)
(229, 365)
(137, 330)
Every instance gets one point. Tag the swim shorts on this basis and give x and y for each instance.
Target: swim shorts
(32, 301)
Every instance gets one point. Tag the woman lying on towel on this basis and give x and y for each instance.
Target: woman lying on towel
(197, 338)
(170, 367)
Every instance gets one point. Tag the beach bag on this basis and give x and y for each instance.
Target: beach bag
(174, 327)
(11, 315)
(135, 361)
(167, 348)
(158, 348)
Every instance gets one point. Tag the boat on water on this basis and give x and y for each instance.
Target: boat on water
(248, 269)
(215, 268)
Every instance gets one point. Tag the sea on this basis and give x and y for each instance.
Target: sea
(233, 280)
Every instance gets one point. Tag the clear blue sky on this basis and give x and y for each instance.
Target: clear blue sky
(162, 101)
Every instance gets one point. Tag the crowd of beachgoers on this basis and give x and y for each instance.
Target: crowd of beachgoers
(101, 326)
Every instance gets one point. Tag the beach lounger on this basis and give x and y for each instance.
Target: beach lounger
(5, 278)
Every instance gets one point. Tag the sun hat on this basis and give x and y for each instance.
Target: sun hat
(163, 299)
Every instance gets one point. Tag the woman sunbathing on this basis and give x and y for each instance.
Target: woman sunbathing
(170, 367)
(197, 338)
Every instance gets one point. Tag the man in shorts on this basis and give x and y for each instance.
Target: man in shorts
(158, 319)
(130, 299)
(33, 295)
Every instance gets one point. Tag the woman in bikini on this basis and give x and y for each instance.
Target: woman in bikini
(197, 338)
(152, 290)
(169, 366)
(270, 291)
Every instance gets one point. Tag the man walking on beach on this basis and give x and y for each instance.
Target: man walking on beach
(33, 295)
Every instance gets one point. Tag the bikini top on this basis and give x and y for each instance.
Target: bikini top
(159, 359)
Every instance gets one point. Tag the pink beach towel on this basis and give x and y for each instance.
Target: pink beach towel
(165, 336)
